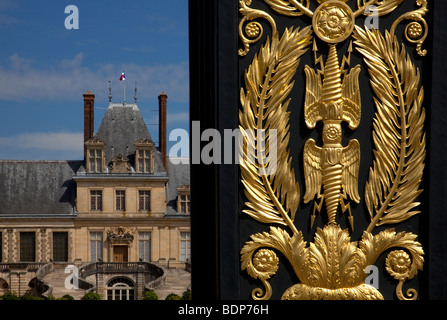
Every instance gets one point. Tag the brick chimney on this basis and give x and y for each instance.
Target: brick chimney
(89, 101)
(162, 102)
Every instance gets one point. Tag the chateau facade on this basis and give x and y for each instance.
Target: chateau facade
(124, 202)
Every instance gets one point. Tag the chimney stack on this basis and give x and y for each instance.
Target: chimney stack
(89, 101)
(162, 102)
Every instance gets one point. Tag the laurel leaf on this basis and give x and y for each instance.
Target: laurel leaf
(273, 196)
(398, 135)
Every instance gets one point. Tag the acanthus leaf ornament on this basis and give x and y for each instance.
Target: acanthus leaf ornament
(333, 266)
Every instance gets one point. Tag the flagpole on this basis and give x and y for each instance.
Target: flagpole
(124, 86)
(123, 79)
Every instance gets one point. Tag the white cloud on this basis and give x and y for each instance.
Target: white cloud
(23, 81)
(46, 141)
(6, 18)
(43, 146)
(18, 63)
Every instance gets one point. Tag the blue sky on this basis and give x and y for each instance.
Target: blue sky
(45, 69)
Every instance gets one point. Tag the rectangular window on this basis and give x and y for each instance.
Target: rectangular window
(92, 160)
(140, 161)
(98, 160)
(60, 246)
(184, 203)
(147, 161)
(120, 203)
(144, 200)
(95, 160)
(95, 246)
(185, 246)
(144, 160)
(27, 247)
(144, 244)
(95, 199)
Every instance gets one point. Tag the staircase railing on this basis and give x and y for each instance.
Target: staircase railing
(40, 274)
(154, 275)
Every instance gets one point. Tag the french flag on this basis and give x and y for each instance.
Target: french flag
(123, 76)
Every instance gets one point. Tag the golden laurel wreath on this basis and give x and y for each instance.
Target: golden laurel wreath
(332, 266)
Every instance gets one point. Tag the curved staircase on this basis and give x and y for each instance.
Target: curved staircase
(56, 279)
(54, 276)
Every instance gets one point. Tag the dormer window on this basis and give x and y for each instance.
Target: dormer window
(183, 200)
(95, 156)
(144, 156)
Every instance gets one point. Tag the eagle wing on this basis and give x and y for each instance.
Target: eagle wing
(313, 108)
(350, 172)
(351, 98)
(312, 169)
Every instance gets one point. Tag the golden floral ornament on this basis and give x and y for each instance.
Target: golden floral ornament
(333, 21)
(398, 264)
(265, 260)
(414, 30)
(253, 29)
(332, 132)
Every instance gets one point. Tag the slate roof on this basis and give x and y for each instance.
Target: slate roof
(47, 188)
(179, 175)
(37, 187)
(120, 128)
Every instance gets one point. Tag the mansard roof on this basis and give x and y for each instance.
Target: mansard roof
(37, 187)
(48, 189)
(120, 128)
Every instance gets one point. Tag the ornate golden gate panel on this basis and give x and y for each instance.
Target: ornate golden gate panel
(332, 265)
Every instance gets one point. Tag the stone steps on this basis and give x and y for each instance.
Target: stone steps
(177, 281)
(56, 279)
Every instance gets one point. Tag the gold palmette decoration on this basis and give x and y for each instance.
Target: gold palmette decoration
(332, 266)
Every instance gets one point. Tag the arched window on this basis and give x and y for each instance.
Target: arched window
(4, 286)
(120, 288)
